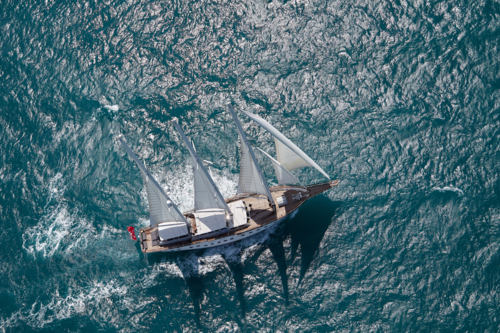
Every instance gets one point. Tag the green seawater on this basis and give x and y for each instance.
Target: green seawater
(399, 100)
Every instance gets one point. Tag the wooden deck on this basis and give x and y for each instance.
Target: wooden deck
(261, 212)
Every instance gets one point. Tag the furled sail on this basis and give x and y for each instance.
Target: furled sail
(206, 193)
(284, 176)
(288, 154)
(251, 178)
(161, 208)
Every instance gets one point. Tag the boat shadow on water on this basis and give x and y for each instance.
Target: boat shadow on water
(174, 286)
(303, 232)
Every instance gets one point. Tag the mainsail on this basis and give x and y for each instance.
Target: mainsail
(161, 208)
(284, 176)
(206, 193)
(288, 154)
(251, 178)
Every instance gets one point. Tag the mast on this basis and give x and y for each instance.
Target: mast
(161, 208)
(246, 144)
(207, 194)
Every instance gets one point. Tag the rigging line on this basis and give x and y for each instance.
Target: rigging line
(226, 141)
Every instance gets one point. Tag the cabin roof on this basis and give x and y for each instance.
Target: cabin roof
(168, 230)
(209, 220)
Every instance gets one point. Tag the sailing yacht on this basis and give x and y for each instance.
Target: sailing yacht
(216, 221)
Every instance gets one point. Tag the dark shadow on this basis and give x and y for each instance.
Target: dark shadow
(308, 227)
(165, 285)
(275, 245)
(190, 273)
(261, 215)
(236, 268)
(194, 282)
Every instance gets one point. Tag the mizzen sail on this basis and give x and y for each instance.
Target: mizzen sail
(251, 178)
(161, 208)
(288, 154)
(206, 193)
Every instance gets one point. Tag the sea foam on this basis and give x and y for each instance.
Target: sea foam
(59, 230)
(81, 302)
(450, 188)
(113, 108)
(62, 229)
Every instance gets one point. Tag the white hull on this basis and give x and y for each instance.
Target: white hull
(226, 240)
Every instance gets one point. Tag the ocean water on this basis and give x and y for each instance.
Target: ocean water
(398, 99)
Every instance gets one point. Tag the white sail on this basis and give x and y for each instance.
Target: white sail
(288, 158)
(284, 176)
(206, 193)
(161, 208)
(288, 154)
(251, 178)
